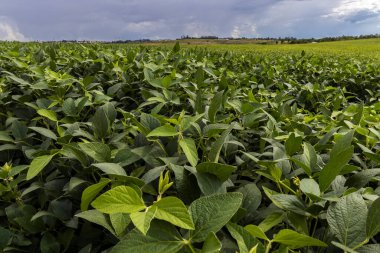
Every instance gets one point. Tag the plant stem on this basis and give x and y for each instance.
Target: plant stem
(361, 244)
(190, 247)
(287, 187)
(267, 249)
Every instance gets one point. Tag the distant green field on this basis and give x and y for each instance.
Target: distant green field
(363, 49)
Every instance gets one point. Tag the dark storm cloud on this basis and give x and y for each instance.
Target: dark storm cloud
(134, 19)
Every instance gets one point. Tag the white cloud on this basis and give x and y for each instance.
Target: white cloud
(244, 30)
(9, 31)
(236, 33)
(141, 26)
(355, 10)
(196, 29)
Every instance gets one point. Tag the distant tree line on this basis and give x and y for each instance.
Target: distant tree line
(289, 40)
(263, 40)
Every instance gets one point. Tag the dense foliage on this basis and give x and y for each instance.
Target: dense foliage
(132, 149)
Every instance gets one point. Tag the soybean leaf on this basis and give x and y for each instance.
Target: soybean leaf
(218, 144)
(339, 157)
(100, 152)
(142, 220)
(244, 239)
(293, 144)
(373, 219)
(188, 147)
(271, 220)
(37, 165)
(362, 178)
(52, 115)
(163, 131)
(256, 231)
(222, 171)
(215, 105)
(19, 130)
(310, 187)
(111, 168)
(5, 236)
(161, 238)
(332, 169)
(121, 199)
(310, 158)
(49, 244)
(211, 244)
(347, 219)
(289, 203)
(96, 217)
(100, 123)
(172, 209)
(90, 193)
(211, 213)
(251, 198)
(120, 222)
(296, 240)
(45, 132)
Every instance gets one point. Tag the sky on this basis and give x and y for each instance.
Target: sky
(26, 20)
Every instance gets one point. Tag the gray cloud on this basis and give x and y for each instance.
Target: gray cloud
(134, 19)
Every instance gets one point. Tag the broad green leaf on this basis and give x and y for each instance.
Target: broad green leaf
(256, 231)
(90, 193)
(142, 220)
(293, 144)
(222, 171)
(121, 199)
(289, 203)
(110, 168)
(96, 217)
(244, 239)
(251, 198)
(271, 220)
(362, 178)
(69, 107)
(218, 144)
(296, 240)
(49, 244)
(310, 158)
(45, 132)
(373, 219)
(334, 166)
(209, 184)
(339, 157)
(172, 209)
(347, 219)
(309, 186)
(37, 165)
(215, 104)
(100, 123)
(100, 152)
(4, 136)
(52, 115)
(120, 222)
(211, 244)
(19, 130)
(163, 131)
(5, 236)
(211, 213)
(189, 148)
(161, 238)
